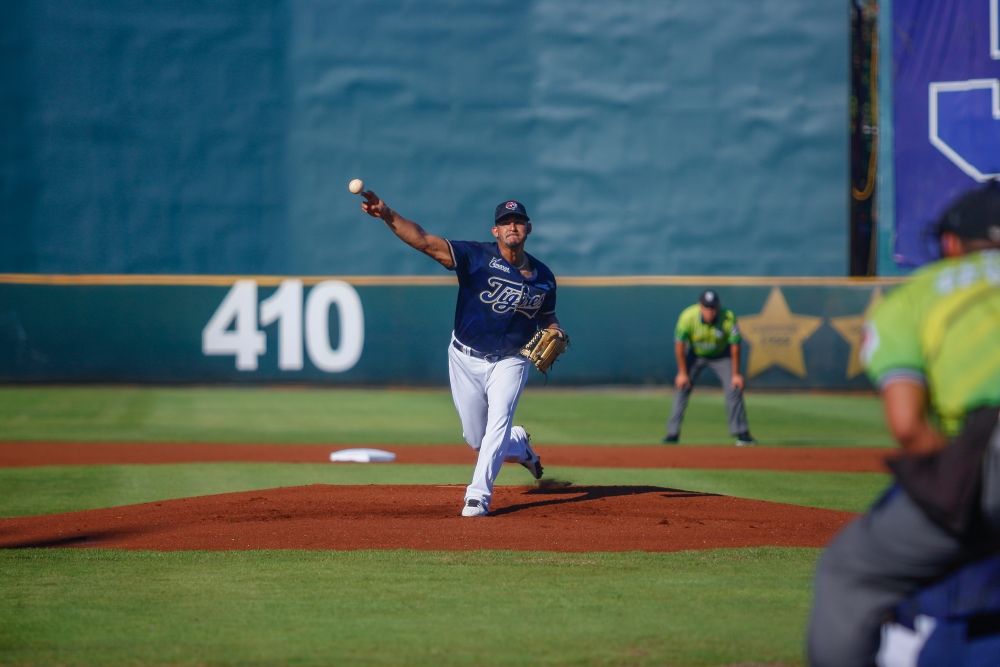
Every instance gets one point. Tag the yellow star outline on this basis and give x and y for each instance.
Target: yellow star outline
(776, 336)
(851, 328)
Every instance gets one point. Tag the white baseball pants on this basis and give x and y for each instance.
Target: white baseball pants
(486, 395)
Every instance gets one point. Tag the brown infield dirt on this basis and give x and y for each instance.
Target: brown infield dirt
(828, 459)
(547, 518)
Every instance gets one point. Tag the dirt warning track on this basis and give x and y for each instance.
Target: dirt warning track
(570, 519)
(828, 459)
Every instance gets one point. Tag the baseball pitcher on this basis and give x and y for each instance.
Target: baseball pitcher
(504, 297)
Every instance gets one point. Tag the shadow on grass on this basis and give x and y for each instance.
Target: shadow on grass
(88, 539)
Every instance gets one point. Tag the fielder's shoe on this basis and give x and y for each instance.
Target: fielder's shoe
(474, 507)
(745, 440)
(533, 463)
(671, 440)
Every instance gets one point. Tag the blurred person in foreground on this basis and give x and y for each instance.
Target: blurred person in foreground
(932, 348)
(707, 336)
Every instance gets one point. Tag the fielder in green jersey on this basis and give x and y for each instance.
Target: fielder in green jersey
(708, 337)
(933, 349)
(941, 330)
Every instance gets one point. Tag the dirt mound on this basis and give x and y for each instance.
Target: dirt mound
(830, 459)
(571, 519)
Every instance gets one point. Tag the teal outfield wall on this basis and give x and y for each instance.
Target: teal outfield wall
(797, 332)
(646, 137)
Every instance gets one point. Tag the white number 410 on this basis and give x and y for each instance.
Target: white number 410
(233, 327)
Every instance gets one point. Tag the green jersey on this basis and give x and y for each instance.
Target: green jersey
(707, 340)
(942, 328)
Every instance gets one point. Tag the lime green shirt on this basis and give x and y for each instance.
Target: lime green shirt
(942, 328)
(707, 340)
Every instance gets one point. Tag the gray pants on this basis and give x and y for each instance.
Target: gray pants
(878, 560)
(723, 369)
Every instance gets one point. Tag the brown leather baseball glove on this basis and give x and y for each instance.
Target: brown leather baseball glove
(544, 347)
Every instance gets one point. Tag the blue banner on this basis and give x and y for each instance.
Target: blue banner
(947, 112)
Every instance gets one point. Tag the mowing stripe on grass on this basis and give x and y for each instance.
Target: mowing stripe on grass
(94, 607)
(826, 459)
(390, 416)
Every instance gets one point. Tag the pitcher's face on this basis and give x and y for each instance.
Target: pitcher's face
(511, 231)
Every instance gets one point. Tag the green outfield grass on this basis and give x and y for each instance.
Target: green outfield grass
(376, 416)
(96, 607)
(50, 489)
(101, 607)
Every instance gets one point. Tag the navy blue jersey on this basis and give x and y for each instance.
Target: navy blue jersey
(498, 308)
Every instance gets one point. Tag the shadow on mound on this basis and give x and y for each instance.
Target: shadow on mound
(560, 494)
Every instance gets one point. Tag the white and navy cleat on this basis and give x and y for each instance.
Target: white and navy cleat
(533, 463)
(474, 507)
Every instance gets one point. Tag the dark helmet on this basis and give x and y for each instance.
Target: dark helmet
(975, 215)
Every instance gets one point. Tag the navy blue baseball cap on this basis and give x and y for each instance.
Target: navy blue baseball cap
(709, 299)
(509, 208)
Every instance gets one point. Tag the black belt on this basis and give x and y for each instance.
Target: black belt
(465, 349)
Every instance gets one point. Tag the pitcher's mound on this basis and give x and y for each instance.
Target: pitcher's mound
(570, 518)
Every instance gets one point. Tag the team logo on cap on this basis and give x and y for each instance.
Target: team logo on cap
(511, 205)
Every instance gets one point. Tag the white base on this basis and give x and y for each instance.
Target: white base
(362, 456)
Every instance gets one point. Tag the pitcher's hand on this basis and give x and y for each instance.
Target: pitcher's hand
(374, 206)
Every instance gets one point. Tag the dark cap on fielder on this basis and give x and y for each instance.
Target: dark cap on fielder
(509, 208)
(976, 214)
(709, 299)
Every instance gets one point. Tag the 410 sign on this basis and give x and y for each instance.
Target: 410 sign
(232, 330)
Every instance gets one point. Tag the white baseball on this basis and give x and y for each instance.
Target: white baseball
(356, 186)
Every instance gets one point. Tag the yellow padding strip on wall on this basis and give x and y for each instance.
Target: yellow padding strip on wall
(565, 281)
